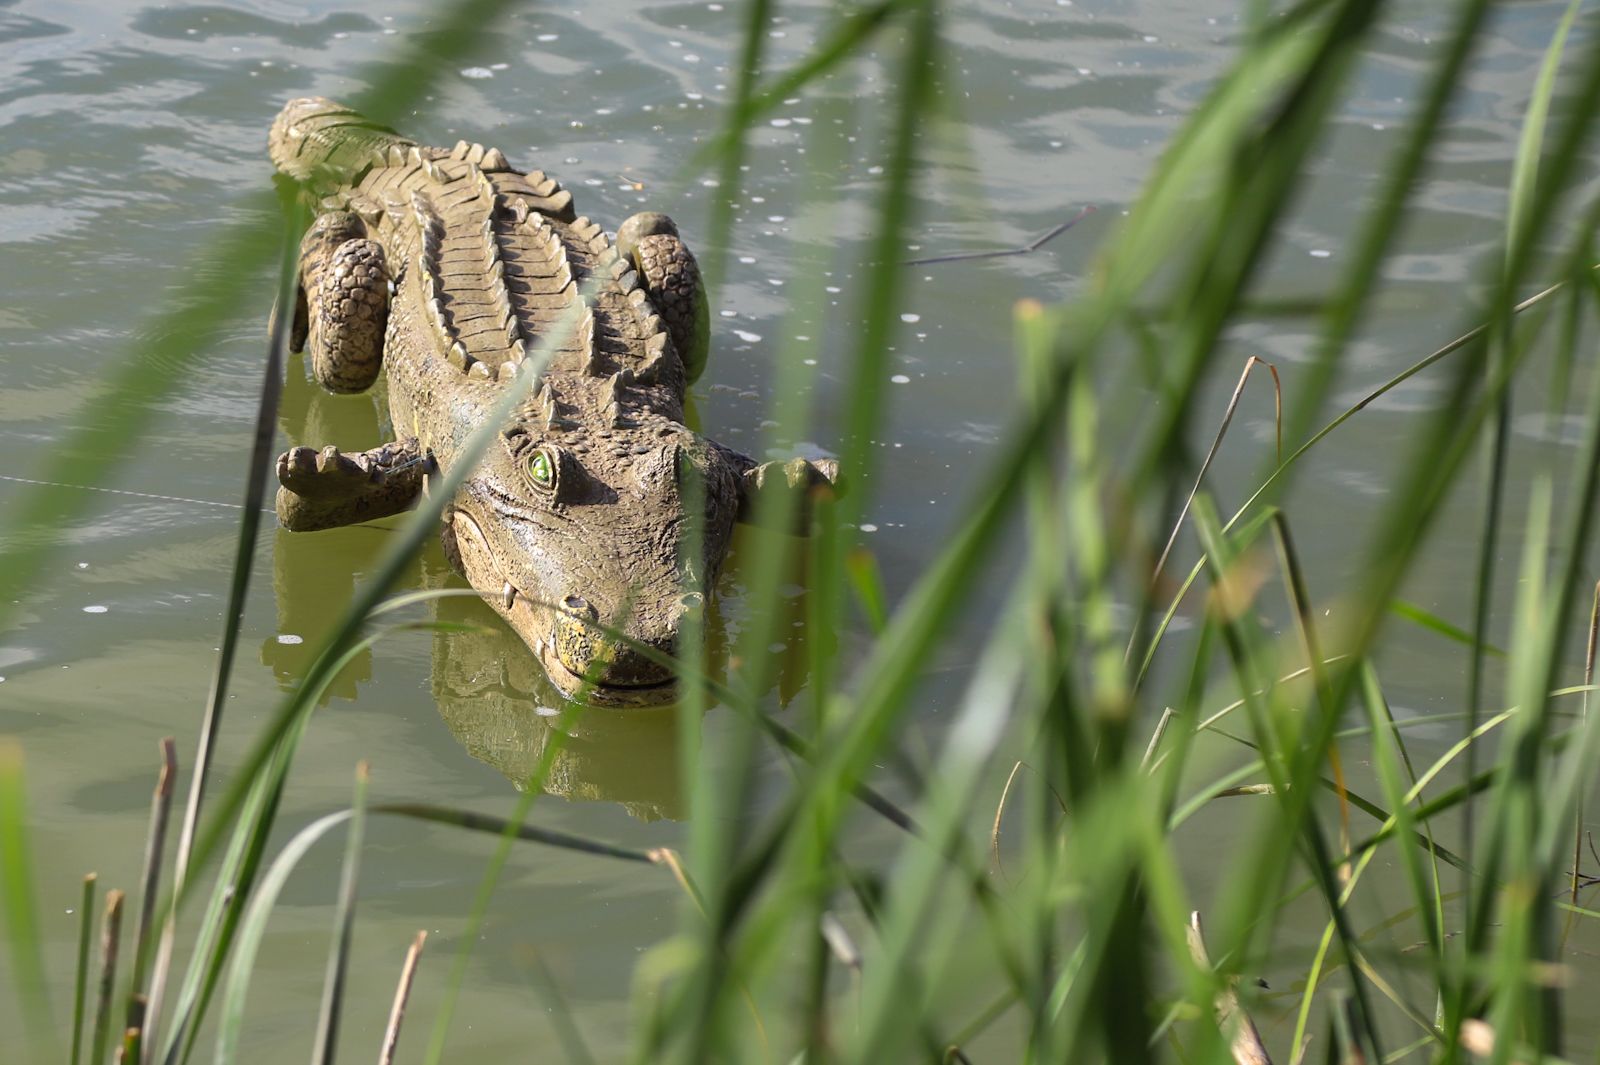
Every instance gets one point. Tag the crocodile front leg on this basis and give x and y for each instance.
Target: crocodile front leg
(650, 242)
(323, 489)
(344, 281)
(802, 478)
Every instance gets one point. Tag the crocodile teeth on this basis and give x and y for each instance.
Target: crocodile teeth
(495, 159)
(510, 595)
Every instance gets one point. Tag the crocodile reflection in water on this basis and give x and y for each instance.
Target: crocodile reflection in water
(496, 701)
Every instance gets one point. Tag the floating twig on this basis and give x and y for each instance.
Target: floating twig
(81, 985)
(1588, 681)
(397, 1012)
(1004, 253)
(1243, 1040)
(155, 848)
(111, 935)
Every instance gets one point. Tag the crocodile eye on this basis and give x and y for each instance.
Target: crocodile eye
(542, 470)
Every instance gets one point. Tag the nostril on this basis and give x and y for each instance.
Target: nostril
(691, 600)
(576, 604)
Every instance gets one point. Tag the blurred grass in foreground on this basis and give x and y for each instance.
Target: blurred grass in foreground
(789, 948)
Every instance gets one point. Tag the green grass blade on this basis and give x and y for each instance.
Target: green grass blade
(239, 582)
(531, 790)
(324, 1051)
(496, 826)
(1434, 623)
(21, 911)
(80, 986)
(254, 926)
(1525, 167)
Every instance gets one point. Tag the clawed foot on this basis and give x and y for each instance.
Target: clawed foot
(805, 478)
(325, 474)
(322, 489)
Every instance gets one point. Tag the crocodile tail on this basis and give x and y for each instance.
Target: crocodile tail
(314, 139)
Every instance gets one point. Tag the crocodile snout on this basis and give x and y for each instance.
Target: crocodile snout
(587, 650)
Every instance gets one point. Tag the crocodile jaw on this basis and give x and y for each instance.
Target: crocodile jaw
(534, 619)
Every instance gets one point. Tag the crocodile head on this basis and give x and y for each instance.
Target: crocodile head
(574, 531)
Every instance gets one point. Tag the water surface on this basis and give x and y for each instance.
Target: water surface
(131, 132)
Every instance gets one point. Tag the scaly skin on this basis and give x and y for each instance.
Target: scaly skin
(576, 521)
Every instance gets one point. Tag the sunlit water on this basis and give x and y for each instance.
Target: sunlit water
(128, 133)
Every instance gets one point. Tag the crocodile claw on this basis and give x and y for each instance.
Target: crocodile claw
(324, 474)
(807, 478)
(321, 489)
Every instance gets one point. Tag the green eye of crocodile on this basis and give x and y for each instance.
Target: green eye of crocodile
(542, 470)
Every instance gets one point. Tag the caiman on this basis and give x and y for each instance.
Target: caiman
(448, 269)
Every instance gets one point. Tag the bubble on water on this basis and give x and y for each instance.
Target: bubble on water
(909, 318)
(547, 711)
(776, 218)
(874, 170)
(710, 183)
(777, 648)
(290, 638)
(95, 609)
(835, 289)
(499, 66)
(867, 526)
(747, 337)
(775, 282)
(900, 379)
(780, 123)
(1320, 253)
(809, 362)
(1151, 38)
(690, 57)
(548, 37)
(729, 314)
(477, 73)
(747, 259)
(83, 565)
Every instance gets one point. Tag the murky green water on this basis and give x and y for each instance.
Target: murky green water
(128, 132)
